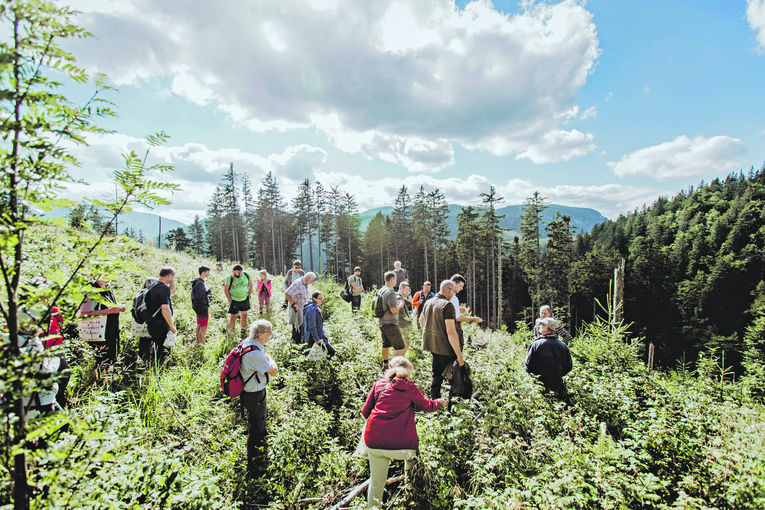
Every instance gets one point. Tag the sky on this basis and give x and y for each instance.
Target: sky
(604, 104)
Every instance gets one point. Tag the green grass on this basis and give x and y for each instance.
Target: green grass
(630, 439)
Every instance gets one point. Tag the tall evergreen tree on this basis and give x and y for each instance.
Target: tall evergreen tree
(557, 262)
(531, 245)
(197, 236)
(302, 207)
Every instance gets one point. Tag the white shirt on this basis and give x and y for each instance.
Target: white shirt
(456, 303)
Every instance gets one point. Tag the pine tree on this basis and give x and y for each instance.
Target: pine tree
(467, 249)
(214, 224)
(302, 207)
(491, 236)
(197, 236)
(248, 219)
(531, 245)
(421, 226)
(557, 263)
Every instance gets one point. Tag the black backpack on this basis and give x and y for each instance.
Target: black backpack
(140, 310)
(378, 305)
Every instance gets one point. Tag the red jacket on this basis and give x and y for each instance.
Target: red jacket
(391, 421)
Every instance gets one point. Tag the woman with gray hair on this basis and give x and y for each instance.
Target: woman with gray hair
(390, 432)
(256, 368)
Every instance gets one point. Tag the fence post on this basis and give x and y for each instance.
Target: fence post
(651, 351)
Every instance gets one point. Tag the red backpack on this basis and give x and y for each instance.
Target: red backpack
(231, 380)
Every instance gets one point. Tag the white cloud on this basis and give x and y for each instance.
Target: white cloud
(589, 113)
(198, 169)
(755, 14)
(683, 157)
(400, 81)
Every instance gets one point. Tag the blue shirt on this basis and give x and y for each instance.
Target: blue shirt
(254, 361)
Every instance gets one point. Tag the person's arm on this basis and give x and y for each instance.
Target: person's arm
(168, 317)
(421, 320)
(226, 288)
(274, 369)
(567, 364)
(369, 404)
(105, 311)
(422, 403)
(465, 318)
(454, 340)
(530, 368)
(249, 286)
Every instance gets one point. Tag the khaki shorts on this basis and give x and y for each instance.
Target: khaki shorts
(391, 336)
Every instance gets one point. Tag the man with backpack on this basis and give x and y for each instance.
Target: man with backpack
(387, 305)
(200, 302)
(256, 369)
(159, 308)
(421, 297)
(238, 289)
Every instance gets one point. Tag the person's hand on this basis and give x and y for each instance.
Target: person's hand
(441, 402)
(123, 309)
(463, 309)
(477, 320)
(461, 361)
(229, 301)
(175, 331)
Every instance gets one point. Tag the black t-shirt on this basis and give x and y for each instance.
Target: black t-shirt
(158, 295)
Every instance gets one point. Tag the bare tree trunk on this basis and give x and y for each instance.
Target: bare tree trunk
(618, 305)
(499, 283)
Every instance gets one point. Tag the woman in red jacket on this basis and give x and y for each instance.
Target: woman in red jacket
(390, 433)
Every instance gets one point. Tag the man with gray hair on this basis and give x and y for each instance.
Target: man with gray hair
(298, 295)
(549, 358)
(439, 334)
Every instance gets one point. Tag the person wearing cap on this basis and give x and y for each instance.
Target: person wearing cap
(357, 289)
(544, 311)
(549, 358)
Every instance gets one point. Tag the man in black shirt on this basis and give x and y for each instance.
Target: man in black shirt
(160, 307)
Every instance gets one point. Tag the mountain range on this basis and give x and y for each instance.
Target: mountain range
(582, 218)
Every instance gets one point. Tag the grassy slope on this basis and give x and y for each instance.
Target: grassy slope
(630, 439)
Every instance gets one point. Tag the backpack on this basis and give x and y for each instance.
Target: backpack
(230, 278)
(231, 381)
(140, 310)
(378, 305)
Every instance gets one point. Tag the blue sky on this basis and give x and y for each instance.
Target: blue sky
(603, 104)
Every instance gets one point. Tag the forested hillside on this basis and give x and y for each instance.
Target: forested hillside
(689, 438)
(695, 274)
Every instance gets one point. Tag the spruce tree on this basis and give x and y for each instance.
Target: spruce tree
(531, 245)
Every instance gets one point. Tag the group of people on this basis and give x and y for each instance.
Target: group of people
(390, 431)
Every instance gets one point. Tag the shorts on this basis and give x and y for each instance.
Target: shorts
(391, 336)
(238, 306)
(202, 320)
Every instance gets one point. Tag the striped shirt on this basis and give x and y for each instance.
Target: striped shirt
(254, 361)
(298, 291)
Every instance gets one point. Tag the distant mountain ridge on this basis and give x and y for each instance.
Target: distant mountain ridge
(148, 223)
(582, 218)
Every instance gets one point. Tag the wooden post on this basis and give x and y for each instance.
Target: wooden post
(159, 235)
(651, 351)
(618, 306)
